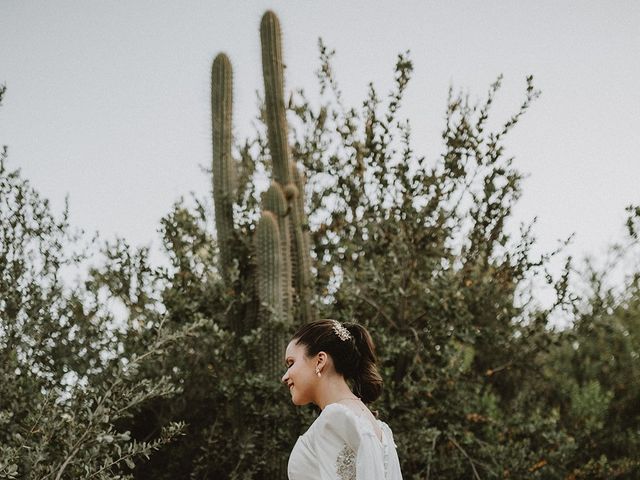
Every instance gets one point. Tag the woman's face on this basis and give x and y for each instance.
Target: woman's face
(300, 377)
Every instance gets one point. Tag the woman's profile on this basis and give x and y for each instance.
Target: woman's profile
(346, 441)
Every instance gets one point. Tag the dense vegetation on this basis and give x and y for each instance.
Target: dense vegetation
(147, 371)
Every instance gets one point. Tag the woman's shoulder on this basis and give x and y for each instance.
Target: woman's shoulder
(335, 409)
(338, 412)
(344, 421)
(337, 425)
(336, 417)
(335, 414)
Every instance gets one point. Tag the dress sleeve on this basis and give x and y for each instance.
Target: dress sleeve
(346, 449)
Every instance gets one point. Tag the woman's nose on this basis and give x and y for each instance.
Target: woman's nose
(284, 377)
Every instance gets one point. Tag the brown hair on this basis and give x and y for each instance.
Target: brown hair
(354, 358)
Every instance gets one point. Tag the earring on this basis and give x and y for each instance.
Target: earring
(318, 372)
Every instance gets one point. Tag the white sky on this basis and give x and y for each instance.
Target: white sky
(108, 101)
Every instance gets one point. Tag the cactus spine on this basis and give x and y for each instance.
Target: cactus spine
(223, 167)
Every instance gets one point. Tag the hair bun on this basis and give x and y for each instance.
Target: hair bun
(366, 378)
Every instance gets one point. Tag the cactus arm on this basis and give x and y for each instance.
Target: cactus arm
(275, 202)
(223, 167)
(272, 70)
(269, 264)
(301, 258)
(269, 282)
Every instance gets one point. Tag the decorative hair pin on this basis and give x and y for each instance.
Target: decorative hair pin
(342, 333)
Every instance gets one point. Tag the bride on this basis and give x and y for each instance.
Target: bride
(346, 441)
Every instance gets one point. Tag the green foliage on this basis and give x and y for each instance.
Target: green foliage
(594, 374)
(65, 382)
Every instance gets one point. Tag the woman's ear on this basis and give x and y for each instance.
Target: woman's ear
(321, 360)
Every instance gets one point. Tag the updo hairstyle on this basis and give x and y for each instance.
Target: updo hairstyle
(354, 357)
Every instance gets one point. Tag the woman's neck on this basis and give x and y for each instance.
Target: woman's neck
(332, 390)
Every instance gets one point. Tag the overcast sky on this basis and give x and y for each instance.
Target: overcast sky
(108, 101)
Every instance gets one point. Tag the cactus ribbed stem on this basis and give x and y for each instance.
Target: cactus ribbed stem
(275, 202)
(269, 265)
(223, 167)
(269, 280)
(301, 260)
(272, 70)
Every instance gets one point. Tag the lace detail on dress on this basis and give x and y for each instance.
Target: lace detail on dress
(346, 464)
(385, 460)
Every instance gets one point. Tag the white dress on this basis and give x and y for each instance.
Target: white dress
(341, 445)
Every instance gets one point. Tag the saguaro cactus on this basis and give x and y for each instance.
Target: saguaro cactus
(284, 170)
(284, 199)
(282, 266)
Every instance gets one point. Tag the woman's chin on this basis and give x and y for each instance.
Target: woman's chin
(298, 402)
